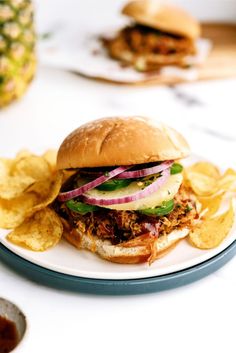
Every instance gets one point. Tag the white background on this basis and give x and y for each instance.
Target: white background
(194, 318)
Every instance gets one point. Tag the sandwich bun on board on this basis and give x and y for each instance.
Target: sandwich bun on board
(124, 199)
(164, 17)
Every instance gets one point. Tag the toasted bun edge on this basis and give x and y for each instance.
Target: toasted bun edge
(121, 254)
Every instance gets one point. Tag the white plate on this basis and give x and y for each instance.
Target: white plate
(86, 55)
(66, 259)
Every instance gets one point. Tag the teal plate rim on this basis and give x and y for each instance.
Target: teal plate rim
(62, 281)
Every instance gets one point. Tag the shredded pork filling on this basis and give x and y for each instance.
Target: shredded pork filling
(123, 226)
(156, 47)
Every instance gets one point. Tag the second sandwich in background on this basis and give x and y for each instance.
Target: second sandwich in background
(158, 35)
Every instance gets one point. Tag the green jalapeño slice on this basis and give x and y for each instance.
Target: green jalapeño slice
(114, 184)
(80, 207)
(176, 168)
(164, 209)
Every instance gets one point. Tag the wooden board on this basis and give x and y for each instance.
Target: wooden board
(221, 62)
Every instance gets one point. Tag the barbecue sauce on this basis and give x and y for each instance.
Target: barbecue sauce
(8, 335)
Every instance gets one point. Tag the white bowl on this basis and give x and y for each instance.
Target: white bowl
(11, 312)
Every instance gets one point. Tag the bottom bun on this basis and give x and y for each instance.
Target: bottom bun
(126, 254)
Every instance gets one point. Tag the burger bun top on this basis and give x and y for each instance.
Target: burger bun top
(120, 141)
(164, 17)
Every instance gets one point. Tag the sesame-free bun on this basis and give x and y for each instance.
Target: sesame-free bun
(164, 17)
(125, 254)
(120, 141)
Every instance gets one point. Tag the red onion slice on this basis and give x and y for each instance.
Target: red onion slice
(65, 196)
(129, 198)
(137, 173)
(145, 172)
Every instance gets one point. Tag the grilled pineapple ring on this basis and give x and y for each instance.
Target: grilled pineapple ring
(165, 193)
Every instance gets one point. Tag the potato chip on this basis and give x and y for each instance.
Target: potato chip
(47, 190)
(205, 180)
(17, 175)
(211, 203)
(205, 168)
(210, 232)
(32, 166)
(41, 188)
(228, 181)
(51, 157)
(5, 165)
(22, 154)
(202, 185)
(14, 186)
(13, 212)
(40, 232)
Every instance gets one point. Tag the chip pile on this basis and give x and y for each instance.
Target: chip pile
(29, 184)
(214, 191)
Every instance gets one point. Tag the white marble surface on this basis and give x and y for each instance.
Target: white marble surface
(195, 318)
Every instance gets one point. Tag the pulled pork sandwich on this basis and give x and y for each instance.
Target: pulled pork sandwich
(159, 35)
(125, 199)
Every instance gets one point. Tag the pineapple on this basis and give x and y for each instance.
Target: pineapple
(17, 48)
